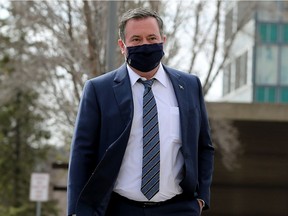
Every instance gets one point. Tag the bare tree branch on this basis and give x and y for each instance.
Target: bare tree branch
(215, 45)
(198, 11)
(173, 46)
(91, 39)
(227, 49)
(70, 25)
(155, 5)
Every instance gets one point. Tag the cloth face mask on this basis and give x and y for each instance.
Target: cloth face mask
(145, 57)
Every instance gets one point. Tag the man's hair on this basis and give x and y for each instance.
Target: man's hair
(138, 13)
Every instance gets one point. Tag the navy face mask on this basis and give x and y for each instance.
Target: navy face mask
(145, 57)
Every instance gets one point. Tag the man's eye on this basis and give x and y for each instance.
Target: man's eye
(153, 37)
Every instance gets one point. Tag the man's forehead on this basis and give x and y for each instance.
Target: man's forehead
(139, 26)
(142, 21)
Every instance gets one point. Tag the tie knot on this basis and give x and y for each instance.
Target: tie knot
(147, 83)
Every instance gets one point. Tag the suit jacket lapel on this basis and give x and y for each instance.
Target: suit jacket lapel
(123, 94)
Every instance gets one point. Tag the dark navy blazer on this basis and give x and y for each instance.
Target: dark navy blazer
(102, 131)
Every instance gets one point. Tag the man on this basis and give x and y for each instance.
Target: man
(142, 142)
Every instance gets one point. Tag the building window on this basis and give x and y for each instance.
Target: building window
(241, 71)
(265, 94)
(285, 33)
(266, 65)
(238, 72)
(228, 25)
(226, 79)
(272, 33)
(232, 77)
(268, 32)
(284, 66)
(245, 12)
(284, 95)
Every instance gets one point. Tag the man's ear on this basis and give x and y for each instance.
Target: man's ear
(122, 46)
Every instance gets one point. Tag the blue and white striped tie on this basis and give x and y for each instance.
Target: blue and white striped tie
(151, 143)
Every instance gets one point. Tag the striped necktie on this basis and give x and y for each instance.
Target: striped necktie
(151, 143)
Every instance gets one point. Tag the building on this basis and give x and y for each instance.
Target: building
(256, 35)
(252, 118)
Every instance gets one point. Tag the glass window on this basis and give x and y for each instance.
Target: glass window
(245, 12)
(284, 66)
(266, 94)
(243, 78)
(226, 79)
(271, 94)
(268, 32)
(284, 95)
(232, 77)
(285, 33)
(260, 94)
(273, 33)
(262, 32)
(228, 25)
(238, 72)
(241, 70)
(266, 65)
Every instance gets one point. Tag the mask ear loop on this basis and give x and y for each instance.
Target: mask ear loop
(124, 44)
(126, 50)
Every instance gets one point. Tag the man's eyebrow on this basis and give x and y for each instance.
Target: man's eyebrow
(150, 35)
(135, 36)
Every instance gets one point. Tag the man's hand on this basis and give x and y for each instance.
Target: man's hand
(201, 204)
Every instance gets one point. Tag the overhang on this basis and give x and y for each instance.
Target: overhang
(248, 111)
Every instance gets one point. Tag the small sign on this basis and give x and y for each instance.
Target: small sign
(39, 187)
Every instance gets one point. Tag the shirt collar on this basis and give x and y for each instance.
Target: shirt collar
(160, 75)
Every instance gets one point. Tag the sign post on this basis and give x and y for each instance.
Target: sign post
(39, 187)
(38, 208)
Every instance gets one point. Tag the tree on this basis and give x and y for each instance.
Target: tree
(23, 136)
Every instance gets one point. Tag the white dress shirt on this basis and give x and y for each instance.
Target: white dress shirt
(128, 183)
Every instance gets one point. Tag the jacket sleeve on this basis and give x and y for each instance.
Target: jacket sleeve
(205, 153)
(83, 153)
